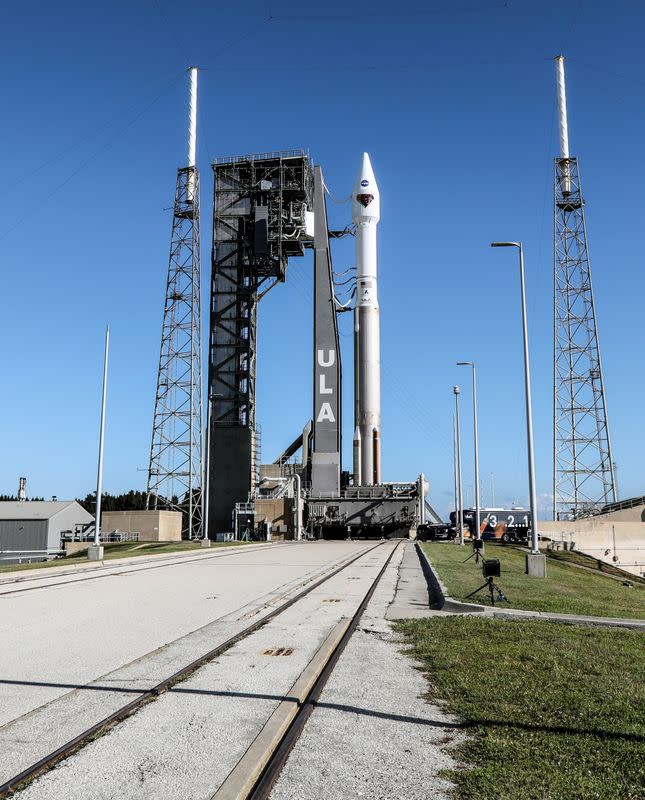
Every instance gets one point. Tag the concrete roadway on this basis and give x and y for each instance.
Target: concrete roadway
(185, 743)
(64, 630)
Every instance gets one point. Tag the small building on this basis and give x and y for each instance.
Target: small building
(152, 526)
(39, 525)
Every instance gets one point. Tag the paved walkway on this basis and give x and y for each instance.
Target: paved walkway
(372, 735)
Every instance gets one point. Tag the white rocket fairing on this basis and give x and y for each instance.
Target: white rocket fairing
(366, 212)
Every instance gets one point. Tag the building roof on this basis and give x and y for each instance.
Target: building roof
(39, 509)
(620, 505)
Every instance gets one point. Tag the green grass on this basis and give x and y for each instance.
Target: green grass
(120, 550)
(553, 712)
(565, 590)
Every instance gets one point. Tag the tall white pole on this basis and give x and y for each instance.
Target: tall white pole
(529, 413)
(563, 124)
(460, 498)
(477, 487)
(533, 566)
(477, 484)
(562, 107)
(454, 461)
(205, 474)
(192, 118)
(99, 477)
(192, 141)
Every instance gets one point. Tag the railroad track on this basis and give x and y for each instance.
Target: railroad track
(256, 774)
(259, 767)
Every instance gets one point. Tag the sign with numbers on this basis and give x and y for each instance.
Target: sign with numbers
(496, 522)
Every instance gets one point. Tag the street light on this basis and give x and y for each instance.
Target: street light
(477, 501)
(459, 510)
(95, 551)
(534, 566)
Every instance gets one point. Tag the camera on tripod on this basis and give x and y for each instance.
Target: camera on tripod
(491, 568)
(478, 550)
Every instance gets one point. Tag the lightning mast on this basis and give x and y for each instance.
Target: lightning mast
(583, 477)
(175, 471)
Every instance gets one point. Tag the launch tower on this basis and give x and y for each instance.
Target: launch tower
(175, 470)
(260, 211)
(583, 476)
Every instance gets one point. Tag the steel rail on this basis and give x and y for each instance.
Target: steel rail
(108, 723)
(271, 772)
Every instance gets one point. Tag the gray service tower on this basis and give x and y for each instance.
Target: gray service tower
(267, 208)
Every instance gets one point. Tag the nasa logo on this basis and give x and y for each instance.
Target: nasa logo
(365, 183)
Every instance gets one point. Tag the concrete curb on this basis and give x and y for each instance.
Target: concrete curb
(567, 619)
(438, 589)
(241, 780)
(456, 607)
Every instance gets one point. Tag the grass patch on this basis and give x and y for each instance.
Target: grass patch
(119, 550)
(565, 590)
(553, 712)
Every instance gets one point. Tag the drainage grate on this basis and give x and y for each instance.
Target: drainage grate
(332, 600)
(278, 651)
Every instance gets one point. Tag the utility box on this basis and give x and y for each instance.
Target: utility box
(278, 512)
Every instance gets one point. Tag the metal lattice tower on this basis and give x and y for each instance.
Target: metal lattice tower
(583, 479)
(175, 474)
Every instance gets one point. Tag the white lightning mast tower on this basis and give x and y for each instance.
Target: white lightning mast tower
(583, 472)
(175, 472)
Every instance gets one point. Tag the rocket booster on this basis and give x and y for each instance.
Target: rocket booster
(366, 208)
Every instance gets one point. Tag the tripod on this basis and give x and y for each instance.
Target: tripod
(476, 554)
(492, 588)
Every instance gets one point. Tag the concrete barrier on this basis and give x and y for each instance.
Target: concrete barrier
(621, 544)
(439, 591)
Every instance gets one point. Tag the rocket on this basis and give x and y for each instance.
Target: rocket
(366, 212)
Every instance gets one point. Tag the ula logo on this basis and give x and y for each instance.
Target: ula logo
(365, 183)
(326, 413)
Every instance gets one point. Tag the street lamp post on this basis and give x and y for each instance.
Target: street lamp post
(476, 435)
(95, 551)
(535, 562)
(206, 542)
(459, 511)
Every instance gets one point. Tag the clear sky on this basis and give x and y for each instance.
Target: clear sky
(455, 103)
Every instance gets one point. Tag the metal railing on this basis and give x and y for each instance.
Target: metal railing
(293, 153)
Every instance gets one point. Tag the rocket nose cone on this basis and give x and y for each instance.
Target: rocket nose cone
(366, 201)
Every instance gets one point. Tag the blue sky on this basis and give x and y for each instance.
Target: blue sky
(455, 103)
